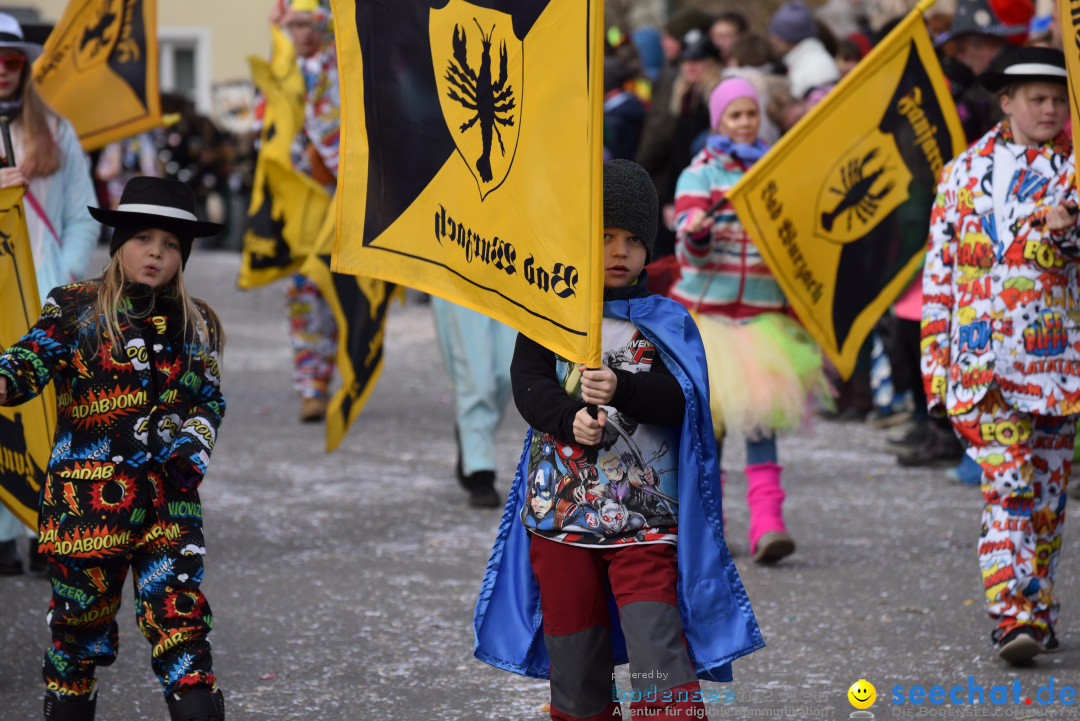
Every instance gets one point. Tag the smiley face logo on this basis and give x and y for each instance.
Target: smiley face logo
(862, 694)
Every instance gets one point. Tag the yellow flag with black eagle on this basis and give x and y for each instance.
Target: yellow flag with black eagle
(99, 69)
(840, 207)
(471, 158)
(26, 431)
(287, 207)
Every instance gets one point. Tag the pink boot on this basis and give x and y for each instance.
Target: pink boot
(769, 539)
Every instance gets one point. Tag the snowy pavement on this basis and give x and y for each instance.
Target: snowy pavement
(343, 584)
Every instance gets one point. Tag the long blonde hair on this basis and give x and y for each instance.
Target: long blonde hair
(201, 324)
(40, 152)
(711, 76)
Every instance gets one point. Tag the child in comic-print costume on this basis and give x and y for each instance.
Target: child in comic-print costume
(313, 330)
(136, 365)
(611, 544)
(1000, 338)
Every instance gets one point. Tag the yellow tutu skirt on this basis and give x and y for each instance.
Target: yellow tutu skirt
(763, 373)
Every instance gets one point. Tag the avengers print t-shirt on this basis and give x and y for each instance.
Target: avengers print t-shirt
(624, 490)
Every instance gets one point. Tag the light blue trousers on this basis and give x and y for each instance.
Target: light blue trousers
(477, 351)
(11, 527)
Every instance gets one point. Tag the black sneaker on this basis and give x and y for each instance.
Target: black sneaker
(36, 560)
(941, 449)
(10, 563)
(481, 488)
(1018, 646)
(198, 704)
(913, 436)
(59, 708)
(1051, 644)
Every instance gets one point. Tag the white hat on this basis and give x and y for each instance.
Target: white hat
(11, 36)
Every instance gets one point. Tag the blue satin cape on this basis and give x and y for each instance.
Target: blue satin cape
(718, 621)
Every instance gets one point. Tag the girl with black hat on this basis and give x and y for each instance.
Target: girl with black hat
(1000, 340)
(136, 363)
(52, 168)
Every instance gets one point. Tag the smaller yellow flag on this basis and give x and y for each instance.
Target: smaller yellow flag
(287, 207)
(840, 207)
(284, 225)
(26, 431)
(99, 69)
(360, 306)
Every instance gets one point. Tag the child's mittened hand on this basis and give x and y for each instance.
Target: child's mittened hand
(182, 473)
(588, 430)
(598, 384)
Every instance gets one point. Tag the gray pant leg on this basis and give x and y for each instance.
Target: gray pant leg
(581, 671)
(654, 642)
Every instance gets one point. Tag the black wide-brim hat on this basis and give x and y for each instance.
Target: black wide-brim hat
(1025, 65)
(157, 203)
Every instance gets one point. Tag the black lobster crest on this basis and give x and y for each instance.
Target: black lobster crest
(478, 68)
(865, 185)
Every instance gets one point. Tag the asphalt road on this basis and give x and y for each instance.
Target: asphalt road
(343, 584)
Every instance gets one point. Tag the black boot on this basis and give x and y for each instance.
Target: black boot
(36, 562)
(198, 704)
(479, 484)
(481, 488)
(941, 448)
(59, 709)
(10, 563)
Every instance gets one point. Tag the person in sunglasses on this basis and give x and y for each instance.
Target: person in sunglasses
(51, 166)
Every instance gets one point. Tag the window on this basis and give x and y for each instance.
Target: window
(184, 67)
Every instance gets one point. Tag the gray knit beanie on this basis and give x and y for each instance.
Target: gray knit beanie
(631, 201)
(793, 22)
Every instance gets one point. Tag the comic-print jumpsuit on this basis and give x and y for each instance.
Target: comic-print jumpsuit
(113, 497)
(1000, 356)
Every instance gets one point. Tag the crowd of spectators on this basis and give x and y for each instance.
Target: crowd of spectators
(661, 67)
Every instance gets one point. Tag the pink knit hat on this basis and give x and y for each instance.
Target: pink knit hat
(724, 93)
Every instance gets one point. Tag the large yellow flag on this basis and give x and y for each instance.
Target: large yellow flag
(470, 157)
(100, 69)
(840, 207)
(26, 431)
(287, 207)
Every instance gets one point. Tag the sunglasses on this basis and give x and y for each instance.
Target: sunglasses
(13, 63)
